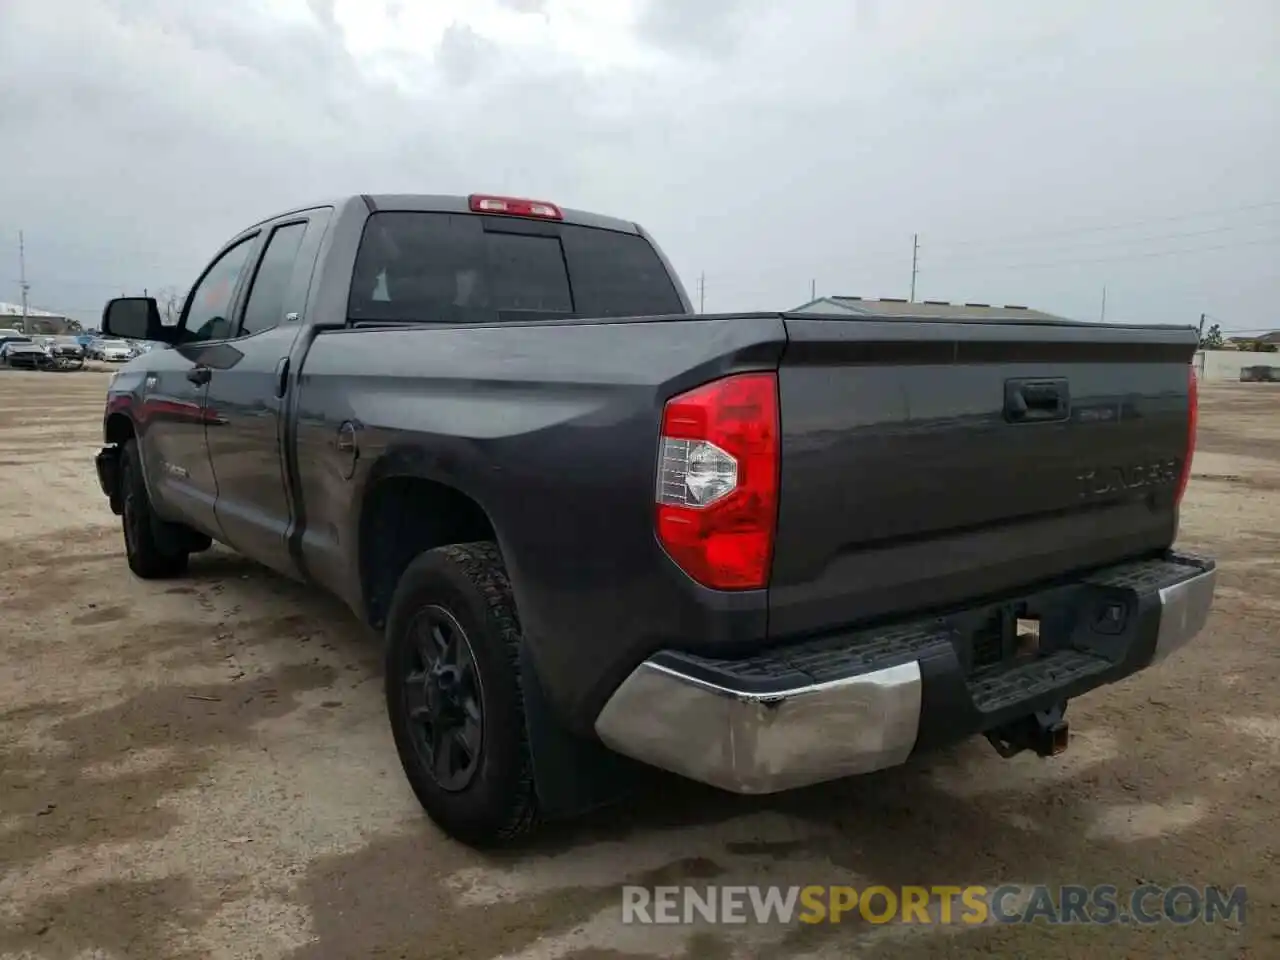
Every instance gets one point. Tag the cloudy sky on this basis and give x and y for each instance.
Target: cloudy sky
(1041, 151)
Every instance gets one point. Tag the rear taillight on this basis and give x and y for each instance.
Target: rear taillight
(717, 490)
(515, 207)
(1193, 417)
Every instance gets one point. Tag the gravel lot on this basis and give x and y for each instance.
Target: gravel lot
(202, 768)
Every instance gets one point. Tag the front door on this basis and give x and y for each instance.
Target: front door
(173, 412)
(248, 386)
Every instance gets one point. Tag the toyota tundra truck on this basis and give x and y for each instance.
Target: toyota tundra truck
(601, 533)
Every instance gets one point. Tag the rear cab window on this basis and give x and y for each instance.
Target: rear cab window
(417, 267)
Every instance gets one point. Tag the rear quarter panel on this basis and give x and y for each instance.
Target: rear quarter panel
(551, 428)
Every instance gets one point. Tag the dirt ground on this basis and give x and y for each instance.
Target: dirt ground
(202, 768)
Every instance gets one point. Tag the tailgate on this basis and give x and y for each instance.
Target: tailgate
(926, 463)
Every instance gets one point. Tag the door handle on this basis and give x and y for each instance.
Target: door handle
(282, 376)
(199, 375)
(1039, 401)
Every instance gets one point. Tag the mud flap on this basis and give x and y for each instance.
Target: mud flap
(107, 463)
(176, 538)
(571, 775)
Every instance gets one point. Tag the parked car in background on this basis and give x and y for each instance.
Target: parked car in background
(22, 351)
(94, 351)
(113, 351)
(67, 353)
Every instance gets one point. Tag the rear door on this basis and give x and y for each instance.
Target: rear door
(248, 382)
(172, 413)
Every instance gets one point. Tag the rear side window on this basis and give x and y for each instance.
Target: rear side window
(265, 307)
(465, 268)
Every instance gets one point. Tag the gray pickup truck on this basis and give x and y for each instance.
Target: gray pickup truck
(757, 550)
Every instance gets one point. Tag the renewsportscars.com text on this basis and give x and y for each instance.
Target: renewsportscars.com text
(939, 904)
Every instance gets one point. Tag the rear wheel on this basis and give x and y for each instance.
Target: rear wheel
(453, 694)
(149, 556)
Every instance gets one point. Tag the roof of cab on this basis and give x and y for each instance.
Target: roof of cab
(445, 203)
(428, 203)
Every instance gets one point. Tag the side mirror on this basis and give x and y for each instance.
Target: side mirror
(135, 318)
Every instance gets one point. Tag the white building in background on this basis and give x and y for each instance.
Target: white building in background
(933, 309)
(1218, 365)
(37, 321)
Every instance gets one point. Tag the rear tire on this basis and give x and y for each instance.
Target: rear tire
(482, 792)
(148, 558)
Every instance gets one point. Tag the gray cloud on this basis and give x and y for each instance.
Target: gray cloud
(324, 12)
(462, 53)
(768, 146)
(708, 26)
(526, 6)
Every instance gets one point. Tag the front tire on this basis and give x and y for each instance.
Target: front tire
(148, 558)
(453, 694)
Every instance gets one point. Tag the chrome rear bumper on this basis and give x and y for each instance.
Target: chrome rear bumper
(1184, 610)
(760, 743)
(711, 729)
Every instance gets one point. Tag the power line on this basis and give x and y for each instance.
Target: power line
(1118, 226)
(95, 309)
(1130, 240)
(1124, 256)
(66, 282)
(60, 245)
(1222, 326)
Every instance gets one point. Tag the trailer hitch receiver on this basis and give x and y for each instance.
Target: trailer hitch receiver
(1045, 732)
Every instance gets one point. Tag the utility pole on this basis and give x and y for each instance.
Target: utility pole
(22, 277)
(915, 259)
(702, 292)
(1102, 315)
(1200, 338)
(813, 290)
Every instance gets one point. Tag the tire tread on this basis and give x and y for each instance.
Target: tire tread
(482, 566)
(148, 561)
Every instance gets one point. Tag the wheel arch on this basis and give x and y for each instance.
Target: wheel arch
(118, 428)
(402, 514)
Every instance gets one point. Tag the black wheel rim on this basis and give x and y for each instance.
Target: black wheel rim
(443, 698)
